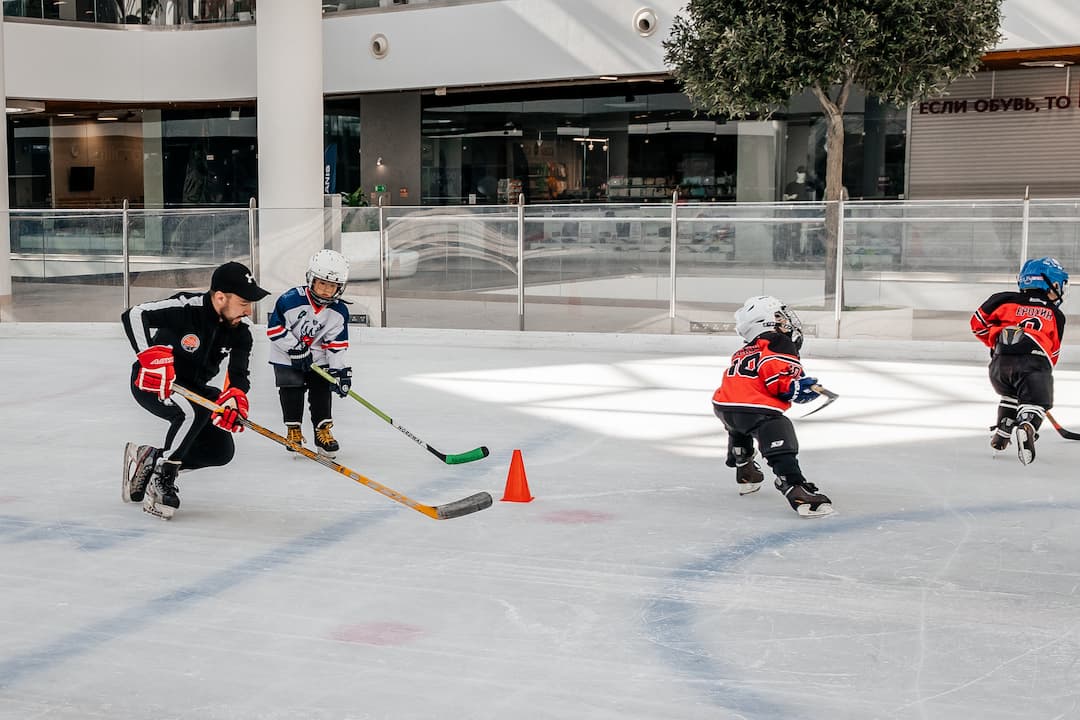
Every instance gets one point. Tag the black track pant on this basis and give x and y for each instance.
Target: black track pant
(292, 384)
(775, 437)
(191, 439)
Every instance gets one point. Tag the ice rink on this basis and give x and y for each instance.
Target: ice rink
(638, 584)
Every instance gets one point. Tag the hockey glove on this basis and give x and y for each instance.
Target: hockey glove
(801, 390)
(344, 380)
(156, 371)
(235, 404)
(300, 357)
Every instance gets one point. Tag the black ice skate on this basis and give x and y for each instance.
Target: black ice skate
(804, 498)
(162, 497)
(138, 465)
(324, 439)
(1025, 441)
(293, 435)
(749, 477)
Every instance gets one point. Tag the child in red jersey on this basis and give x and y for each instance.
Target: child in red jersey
(765, 377)
(1023, 330)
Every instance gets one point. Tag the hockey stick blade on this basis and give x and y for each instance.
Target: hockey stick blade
(465, 506)
(830, 398)
(466, 457)
(1067, 434)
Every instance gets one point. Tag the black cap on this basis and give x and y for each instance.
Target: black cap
(233, 277)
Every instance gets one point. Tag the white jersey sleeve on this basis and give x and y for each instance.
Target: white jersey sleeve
(295, 319)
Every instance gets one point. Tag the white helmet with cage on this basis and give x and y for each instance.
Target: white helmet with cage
(767, 314)
(330, 266)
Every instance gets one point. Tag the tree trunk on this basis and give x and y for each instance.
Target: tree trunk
(834, 184)
(834, 192)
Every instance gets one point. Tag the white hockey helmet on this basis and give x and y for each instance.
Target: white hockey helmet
(330, 266)
(766, 314)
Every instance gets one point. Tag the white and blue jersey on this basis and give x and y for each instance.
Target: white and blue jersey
(296, 319)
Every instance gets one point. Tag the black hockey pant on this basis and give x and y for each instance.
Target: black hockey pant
(191, 439)
(1026, 386)
(775, 437)
(292, 384)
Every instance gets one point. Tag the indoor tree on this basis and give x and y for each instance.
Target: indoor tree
(743, 58)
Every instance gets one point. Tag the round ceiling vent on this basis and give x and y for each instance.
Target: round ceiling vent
(645, 22)
(380, 46)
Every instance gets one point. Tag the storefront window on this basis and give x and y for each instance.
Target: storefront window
(643, 145)
(341, 147)
(80, 157)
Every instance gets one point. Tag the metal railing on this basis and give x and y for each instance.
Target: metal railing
(913, 269)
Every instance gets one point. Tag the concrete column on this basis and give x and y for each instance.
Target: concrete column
(153, 181)
(290, 133)
(7, 310)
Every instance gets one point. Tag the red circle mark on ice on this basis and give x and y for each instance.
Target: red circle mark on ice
(571, 517)
(379, 633)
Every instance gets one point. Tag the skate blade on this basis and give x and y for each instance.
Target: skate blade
(164, 512)
(130, 457)
(1023, 440)
(329, 454)
(747, 488)
(822, 510)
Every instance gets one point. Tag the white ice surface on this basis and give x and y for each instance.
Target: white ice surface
(638, 584)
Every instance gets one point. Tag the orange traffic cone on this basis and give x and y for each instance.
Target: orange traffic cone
(517, 486)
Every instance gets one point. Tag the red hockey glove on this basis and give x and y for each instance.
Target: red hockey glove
(235, 404)
(156, 371)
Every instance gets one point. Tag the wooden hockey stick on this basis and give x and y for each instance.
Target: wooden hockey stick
(830, 398)
(475, 454)
(1067, 434)
(465, 506)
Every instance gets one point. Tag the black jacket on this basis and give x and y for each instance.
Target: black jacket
(200, 339)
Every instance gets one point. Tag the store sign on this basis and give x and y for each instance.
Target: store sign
(1046, 103)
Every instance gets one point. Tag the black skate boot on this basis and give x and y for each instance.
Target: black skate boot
(138, 465)
(804, 497)
(293, 435)
(324, 439)
(749, 476)
(1001, 434)
(162, 496)
(1025, 440)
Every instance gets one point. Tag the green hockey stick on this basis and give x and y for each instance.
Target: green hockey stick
(476, 454)
(465, 506)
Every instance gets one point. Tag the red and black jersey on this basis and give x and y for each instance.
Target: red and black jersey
(1032, 311)
(761, 372)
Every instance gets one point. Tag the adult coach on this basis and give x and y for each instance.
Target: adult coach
(185, 338)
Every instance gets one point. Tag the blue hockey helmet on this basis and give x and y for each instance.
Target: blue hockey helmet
(1044, 274)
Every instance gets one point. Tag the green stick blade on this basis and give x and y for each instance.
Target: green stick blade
(478, 454)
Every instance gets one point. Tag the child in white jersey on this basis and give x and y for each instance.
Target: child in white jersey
(310, 326)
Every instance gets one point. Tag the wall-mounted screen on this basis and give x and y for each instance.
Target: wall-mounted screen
(81, 178)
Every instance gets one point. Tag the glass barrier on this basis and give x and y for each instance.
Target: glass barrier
(70, 265)
(592, 268)
(452, 267)
(917, 270)
(727, 253)
(910, 270)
